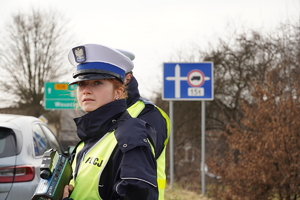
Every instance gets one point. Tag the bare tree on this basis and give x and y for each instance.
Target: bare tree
(33, 51)
(263, 157)
(242, 63)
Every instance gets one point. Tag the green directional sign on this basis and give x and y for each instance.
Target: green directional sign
(59, 95)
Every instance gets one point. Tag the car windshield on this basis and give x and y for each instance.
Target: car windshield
(8, 145)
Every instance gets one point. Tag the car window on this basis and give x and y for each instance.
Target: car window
(51, 139)
(10, 142)
(39, 140)
(8, 145)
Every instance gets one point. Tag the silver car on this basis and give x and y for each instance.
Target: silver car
(23, 141)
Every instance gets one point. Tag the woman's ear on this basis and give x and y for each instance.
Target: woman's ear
(128, 78)
(119, 93)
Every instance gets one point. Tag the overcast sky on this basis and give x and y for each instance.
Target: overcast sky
(155, 29)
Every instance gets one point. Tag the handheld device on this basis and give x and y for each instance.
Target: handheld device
(56, 172)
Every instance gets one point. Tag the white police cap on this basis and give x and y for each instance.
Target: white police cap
(94, 61)
(129, 54)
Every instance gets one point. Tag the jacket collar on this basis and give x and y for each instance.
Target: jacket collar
(133, 92)
(97, 123)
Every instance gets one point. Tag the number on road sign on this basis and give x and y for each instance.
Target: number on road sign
(61, 86)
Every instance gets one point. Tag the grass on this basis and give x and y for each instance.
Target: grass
(180, 194)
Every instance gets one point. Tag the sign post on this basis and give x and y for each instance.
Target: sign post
(188, 82)
(59, 95)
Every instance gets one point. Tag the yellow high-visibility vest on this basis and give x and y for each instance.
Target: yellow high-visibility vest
(92, 165)
(86, 182)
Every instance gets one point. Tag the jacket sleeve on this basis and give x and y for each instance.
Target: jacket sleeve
(138, 166)
(151, 115)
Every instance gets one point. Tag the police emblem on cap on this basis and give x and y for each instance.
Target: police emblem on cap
(79, 54)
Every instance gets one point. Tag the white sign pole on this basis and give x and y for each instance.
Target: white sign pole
(203, 147)
(171, 146)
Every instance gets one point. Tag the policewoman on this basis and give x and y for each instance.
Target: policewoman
(115, 159)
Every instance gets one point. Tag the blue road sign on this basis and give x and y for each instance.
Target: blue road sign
(188, 81)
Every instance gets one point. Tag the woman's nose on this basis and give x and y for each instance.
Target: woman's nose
(87, 89)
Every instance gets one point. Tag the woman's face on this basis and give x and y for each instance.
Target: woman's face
(93, 94)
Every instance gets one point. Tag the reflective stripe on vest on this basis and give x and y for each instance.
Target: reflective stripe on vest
(134, 111)
(92, 165)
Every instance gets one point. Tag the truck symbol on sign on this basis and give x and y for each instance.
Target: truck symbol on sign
(196, 78)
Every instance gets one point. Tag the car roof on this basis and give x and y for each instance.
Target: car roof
(16, 121)
(8, 117)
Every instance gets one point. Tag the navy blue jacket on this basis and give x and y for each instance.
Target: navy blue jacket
(130, 162)
(150, 114)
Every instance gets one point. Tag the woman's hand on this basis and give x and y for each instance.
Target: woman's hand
(67, 190)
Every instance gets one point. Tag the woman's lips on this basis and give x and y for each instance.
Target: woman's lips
(87, 99)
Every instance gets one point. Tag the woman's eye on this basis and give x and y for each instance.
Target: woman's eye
(80, 83)
(97, 82)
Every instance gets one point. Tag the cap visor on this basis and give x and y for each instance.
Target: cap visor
(87, 77)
